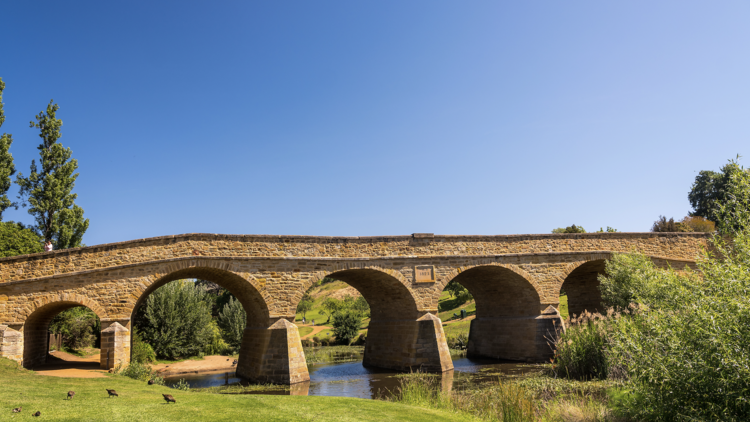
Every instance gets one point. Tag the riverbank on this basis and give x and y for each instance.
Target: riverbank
(139, 401)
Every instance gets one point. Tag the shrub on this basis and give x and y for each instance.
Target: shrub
(142, 352)
(570, 229)
(458, 342)
(306, 343)
(581, 350)
(181, 385)
(140, 372)
(664, 225)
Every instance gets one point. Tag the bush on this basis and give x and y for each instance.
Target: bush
(142, 352)
(306, 343)
(176, 320)
(232, 320)
(570, 229)
(346, 325)
(140, 372)
(581, 350)
(458, 342)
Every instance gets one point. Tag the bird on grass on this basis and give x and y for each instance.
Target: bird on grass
(17, 409)
(150, 382)
(112, 392)
(71, 394)
(235, 362)
(169, 398)
(38, 413)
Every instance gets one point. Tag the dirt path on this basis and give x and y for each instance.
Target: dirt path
(61, 364)
(207, 364)
(468, 318)
(316, 330)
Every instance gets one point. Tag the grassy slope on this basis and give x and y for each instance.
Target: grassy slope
(141, 402)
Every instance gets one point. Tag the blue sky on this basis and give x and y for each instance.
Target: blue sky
(377, 118)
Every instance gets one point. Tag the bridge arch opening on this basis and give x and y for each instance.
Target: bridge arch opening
(36, 333)
(238, 288)
(581, 288)
(397, 327)
(505, 322)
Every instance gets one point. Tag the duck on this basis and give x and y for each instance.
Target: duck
(17, 409)
(169, 398)
(38, 413)
(112, 392)
(71, 394)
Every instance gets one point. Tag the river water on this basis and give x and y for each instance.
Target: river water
(351, 379)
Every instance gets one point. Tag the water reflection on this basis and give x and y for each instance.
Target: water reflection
(355, 380)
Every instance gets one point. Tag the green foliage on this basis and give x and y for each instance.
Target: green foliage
(459, 292)
(139, 371)
(305, 305)
(7, 168)
(16, 239)
(712, 190)
(732, 214)
(665, 226)
(458, 342)
(346, 325)
(141, 352)
(79, 327)
(181, 385)
(360, 305)
(609, 230)
(233, 320)
(176, 320)
(331, 306)
(581, 349)
(48, 191)
(570, 229)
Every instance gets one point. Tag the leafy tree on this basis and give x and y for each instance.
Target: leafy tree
(7, 168)
(732, 214)
(570, 229)
(360, 305)
(233, 320)
(16, 239)
(609, 230)
(664, 225)
(304, 306)
(710, 190)
(79, 327)
(346, 325)
(48, 190)
(458, 291)
(142, 352)
(331, 306)
(176, 320)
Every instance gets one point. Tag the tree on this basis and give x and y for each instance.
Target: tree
(304, 307)
(7, 168)
(16, 239)
(696, 224)
(176, 320)
(664, 225)
(79, 327)
(570, 229)
(233, 320)
(330, 307)
(710, 189)
(609, 230)
(346, 325)
(360, 305)
(48, 190)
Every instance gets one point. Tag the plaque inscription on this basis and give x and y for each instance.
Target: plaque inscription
(424, 274)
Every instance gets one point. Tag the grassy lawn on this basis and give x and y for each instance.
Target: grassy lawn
(303, 331)
(455, 328)
(563, 306)
(141, 402)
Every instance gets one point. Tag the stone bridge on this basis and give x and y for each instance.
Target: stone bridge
(516, 281)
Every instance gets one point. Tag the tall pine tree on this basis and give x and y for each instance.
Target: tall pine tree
(7, 168)
(49, 192)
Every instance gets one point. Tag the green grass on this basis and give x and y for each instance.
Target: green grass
(141, 402)
(303, 331)
(563, 306)
(455, 328)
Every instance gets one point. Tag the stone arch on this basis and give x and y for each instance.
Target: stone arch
(580, 282)
(36, 323)
(254, 302)
(79, 300)
(500, 290)
(383, 288)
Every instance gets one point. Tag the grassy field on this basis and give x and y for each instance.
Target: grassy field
(141, 402)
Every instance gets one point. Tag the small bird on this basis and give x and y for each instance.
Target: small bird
(169, 398)
(38, 413)
(17, 409)
(235, 362)
(150, 382)
(112, 392)
(71, 394)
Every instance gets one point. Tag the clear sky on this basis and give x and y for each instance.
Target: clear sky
(379, 118)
